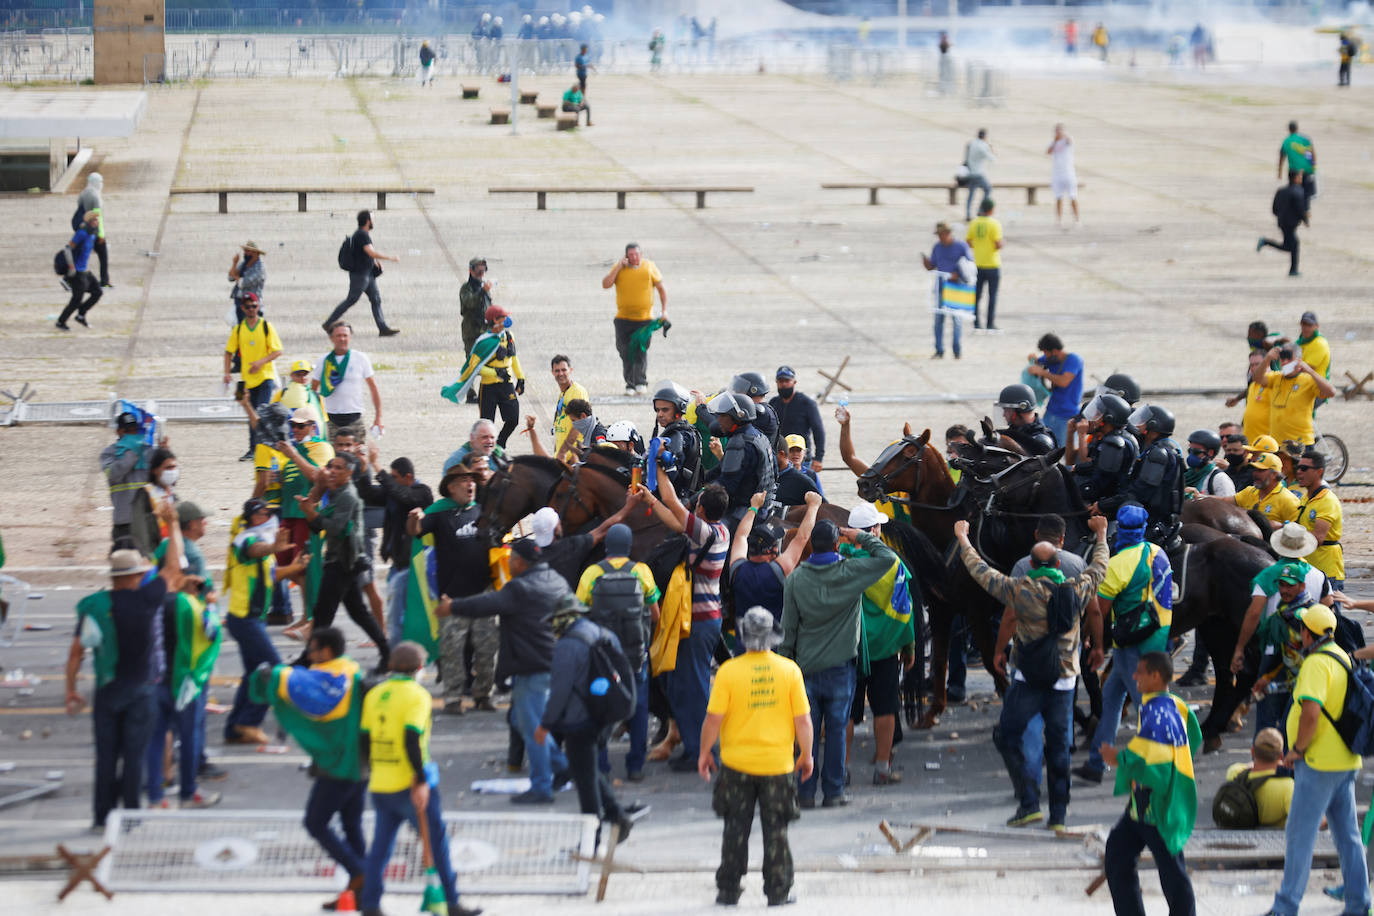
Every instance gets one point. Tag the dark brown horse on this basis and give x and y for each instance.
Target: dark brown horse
(1224, 516)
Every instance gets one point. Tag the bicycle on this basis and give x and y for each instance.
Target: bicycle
(1336, 454)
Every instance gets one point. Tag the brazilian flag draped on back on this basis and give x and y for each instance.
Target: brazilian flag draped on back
(1156, 768)
(321, 707)
(421, 623)
(887, 618)
(199, 637)
(482, 350)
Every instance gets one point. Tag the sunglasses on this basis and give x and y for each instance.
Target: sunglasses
(250, 306)
(1307, 467)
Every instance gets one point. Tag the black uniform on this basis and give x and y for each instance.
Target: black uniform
(685, 443)
(766, 422)
(1111, 457)
(799, 415)
(1035, 437)
(1156, 482)
(746, 468)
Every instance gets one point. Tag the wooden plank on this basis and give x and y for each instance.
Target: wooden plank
(630, 189)
(296, 189)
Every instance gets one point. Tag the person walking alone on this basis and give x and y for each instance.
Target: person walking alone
(977, 156)
(985, 238)
(1290, 209)
(1063, 175)
(363, 271)
(635, 278)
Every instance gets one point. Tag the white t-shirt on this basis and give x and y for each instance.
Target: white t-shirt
(1219, 483)
(1062, 159)
(347, 396)
(979, 155)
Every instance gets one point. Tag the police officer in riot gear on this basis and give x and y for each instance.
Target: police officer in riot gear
(670, 404)
(1023, 423)
(1156, 481)
(1123, 386)
(1112, 455)
(746, 465)
(752, 385)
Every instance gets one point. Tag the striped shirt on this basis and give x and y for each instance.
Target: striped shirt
(708, 567)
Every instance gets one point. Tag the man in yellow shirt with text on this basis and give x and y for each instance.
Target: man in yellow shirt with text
(1293, 391)
(635, 278)
(985, 238)
(255, 342)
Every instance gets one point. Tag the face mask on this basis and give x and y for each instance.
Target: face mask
(786, 393)
(169, 476)
(1256, 343)
(1289, 369)
(1196, 461)
(1235, 459)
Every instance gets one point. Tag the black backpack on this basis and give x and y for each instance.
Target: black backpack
(1356, 723)
(79, 216)
(609, 692)
(346, 254)
(62, 262)
(1038, 660)
(1236, 805)
(618, 605)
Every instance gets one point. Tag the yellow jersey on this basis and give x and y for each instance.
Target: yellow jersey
(594, 572)
(759, 694)
(562, 425)
(1255, 422)
(1322, 680)
(1291, 401)
(1328, 557)
(634, 291)
(1278, 505)
(1274, 795)
(983, 235)
(252, 344)
(392, 708)
(1317, 354)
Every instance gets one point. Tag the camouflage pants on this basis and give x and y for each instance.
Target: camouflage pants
(454, 633)
(734, 798)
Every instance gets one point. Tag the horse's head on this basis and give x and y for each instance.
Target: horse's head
(982, 460)
(898, 468)
(1032, 484)
(514, 491)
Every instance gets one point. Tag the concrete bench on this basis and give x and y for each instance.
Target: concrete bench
(568, 121)
(470, 92)
(546, 111)
(528, 96)
(541, 194)
(301, 193)
(500, 116)
(874, 186)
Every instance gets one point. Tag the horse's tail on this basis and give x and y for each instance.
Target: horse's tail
(926, 562)
(1260, 521)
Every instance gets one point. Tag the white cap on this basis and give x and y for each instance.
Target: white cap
(544, 523)
(486, 17)
(864, 516)
(498, 20)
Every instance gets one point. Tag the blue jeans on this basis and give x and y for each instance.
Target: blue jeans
(1022, 704)
(1317, 793)
(347, 799)
(1272, 712)
(639, 729)
(393, 808)
(1119, 683)
(831, 694)
(122, 719)
(396, 582)
(975, 181)
(1033, 744)
(255, 647)
(189, 724)
(958, 663)
(1059, 425)
(940, 334)
(689, 685)
(529, 694)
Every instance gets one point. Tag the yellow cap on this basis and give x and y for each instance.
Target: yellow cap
(1268, 462)
(301, 365)
(1318, 618)
(1265, 444)
(796, 441)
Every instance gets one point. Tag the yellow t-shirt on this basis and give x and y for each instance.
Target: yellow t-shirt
(1291, 401)
(634, 291)
(391, 709)
(252, 344)
(1322, 679)
(1331, 558)
(594, 572)
(983, 235)
(1317, 354)
(1255, 422)
(561, 424)
(1274, 795)
(250, 581)
(1278, 505)
(759, 694)
(266, 458)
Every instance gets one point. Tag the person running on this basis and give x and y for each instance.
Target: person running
(86, 291)
(1296, 153)
(1291, 211)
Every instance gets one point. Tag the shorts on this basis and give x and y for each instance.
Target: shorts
(883, 685)
(1062, 186)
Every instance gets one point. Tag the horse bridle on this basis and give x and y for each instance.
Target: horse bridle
(882, 480)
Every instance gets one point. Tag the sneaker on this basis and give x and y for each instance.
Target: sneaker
(1024, 816)
(1193, 679)
(938, 354)
(246, 456)
(248, 734)
(682, 764)
(162, 804)
(388, 332)
(532, 797)
(1088, 774)
(561, 778)
(1059, 827)
(81, 320)
(630, 390)
(639, 389)
(107, 285)
(634, 776)
(211, 773)
(62, 326)
(453, 707)
(457, 909)
(1259, 246)
(623, 828)
(835, 801)
(784, 900)
(728, 898)
(201, 800)
(1294, 273)
(484, 705)
(806, 803)
(891, 777)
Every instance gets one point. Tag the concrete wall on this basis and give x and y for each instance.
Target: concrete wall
(125, 32)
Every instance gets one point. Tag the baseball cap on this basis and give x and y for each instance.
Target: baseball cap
(545, 524)
(253, 506)
(796, 441)
(1308, 318)
(250, 298)
(824, 536)
(865, 515)
(942, 226)
(1270, 742)
(126, 420)
(475, 261)
(495, 312)
(303, 415)
(302, 365)
(763, 538)
(1291, 575)
(526, 549)
(786, 372)
(1268, 462)
(188, 511)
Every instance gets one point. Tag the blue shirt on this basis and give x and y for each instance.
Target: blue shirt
(580, 62)
(82, 242)
(946, 257)
(1064, 401)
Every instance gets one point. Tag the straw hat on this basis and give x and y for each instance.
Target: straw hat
(253, 247)
(1293, 540)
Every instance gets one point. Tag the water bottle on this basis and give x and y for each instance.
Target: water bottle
(844, 401)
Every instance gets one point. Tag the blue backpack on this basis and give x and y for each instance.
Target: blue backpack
(1356, 722)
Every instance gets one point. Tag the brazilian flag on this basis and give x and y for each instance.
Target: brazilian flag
(321, 707)
(482, 350)
(199, 637)
(421, 623)
(639, 340)
(887, 619)
(1159, 759)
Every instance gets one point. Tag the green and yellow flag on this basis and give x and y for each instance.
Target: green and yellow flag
(421, 623)
(199, 637)
(1156, 768)
(321, 707)
(482, 350)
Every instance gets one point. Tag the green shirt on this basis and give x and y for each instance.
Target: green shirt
(1298, 149)
(572, 97)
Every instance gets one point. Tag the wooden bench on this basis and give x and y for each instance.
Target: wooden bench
(528, 96)
(568, 121)
(470, 92)
(541, 194)
(301, 193)
(546, 111)
(500, 116)
(874, 186)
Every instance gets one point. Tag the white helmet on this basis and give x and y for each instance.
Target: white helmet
(599, 18)
(497, 21)
(486, 17)
(543, 20)
(587, 10)
(528, 17)
(621, 431)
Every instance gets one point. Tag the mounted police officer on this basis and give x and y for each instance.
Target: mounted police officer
(1112, 453)
(684, 442)
(1023, 423)
(1156, 481)
(746, 464)
(752, 385)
